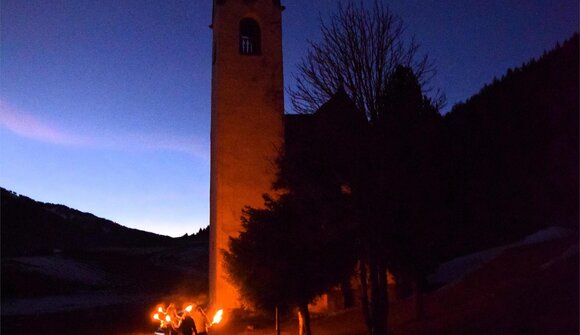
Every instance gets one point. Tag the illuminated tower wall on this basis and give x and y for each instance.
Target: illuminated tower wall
(247, 105)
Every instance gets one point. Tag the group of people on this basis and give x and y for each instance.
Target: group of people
(191, 321)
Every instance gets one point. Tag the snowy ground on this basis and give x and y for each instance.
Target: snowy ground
(529, 287)
(59, 304)
(63, 283)
(63, 268)
(455, 269)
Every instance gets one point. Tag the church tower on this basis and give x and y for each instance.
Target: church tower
(247, 107)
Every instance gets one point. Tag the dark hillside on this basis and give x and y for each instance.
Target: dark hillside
(513, 157)
(30, 227)
(58, 259)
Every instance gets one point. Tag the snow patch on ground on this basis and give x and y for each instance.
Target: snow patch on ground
(63, 268)
(572, 251)
(456, 268)
(544, 235)
(56, 304)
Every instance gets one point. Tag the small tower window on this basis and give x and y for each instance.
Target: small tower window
(250, 43)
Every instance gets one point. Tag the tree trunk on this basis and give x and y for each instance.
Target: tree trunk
(365, 294)
(384, 283)
(378, 303)
(277, 321)
(303, 319)
(346, 289)
(419, 302)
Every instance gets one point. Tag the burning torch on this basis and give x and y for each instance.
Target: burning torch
(167, 318)
(217, 318)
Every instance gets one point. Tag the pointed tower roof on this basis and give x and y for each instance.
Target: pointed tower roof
(221, 2)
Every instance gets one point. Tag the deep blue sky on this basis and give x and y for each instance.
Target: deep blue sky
(105, 105)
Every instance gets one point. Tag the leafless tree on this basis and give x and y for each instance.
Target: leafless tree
(359, 50)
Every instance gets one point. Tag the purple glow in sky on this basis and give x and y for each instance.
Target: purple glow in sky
(105, 105)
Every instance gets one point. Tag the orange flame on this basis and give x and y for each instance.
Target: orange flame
(168, 318)
(156, 316)
(217, 317)
(188, 308)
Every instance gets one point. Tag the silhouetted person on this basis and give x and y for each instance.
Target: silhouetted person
(187, 326)
(174, 324)
(201, 321)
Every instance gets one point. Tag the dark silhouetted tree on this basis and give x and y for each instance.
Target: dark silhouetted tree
(517, 144)
(288, 254)
(360, 51)
(410, 136)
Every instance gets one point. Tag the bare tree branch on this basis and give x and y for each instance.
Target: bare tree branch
(359, 50)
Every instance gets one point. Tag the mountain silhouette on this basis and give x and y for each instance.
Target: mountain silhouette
(512, 152)
(30, 227)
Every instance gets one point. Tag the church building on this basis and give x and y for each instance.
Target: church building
(249, 128)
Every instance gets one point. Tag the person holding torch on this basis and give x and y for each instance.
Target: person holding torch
(172, 319)
(187, 324)
(201, 321)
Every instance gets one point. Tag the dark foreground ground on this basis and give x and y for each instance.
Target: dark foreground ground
(120, 319)
(100, 291)
(526, 290)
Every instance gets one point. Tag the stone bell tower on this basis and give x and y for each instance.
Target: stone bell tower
(247, 107)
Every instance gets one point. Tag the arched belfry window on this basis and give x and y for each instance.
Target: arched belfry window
(250, 37)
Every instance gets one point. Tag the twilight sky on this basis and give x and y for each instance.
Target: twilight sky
(105, 105)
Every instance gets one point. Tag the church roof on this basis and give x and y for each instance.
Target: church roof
(340, 108)
(338, 121)
(275, 2)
